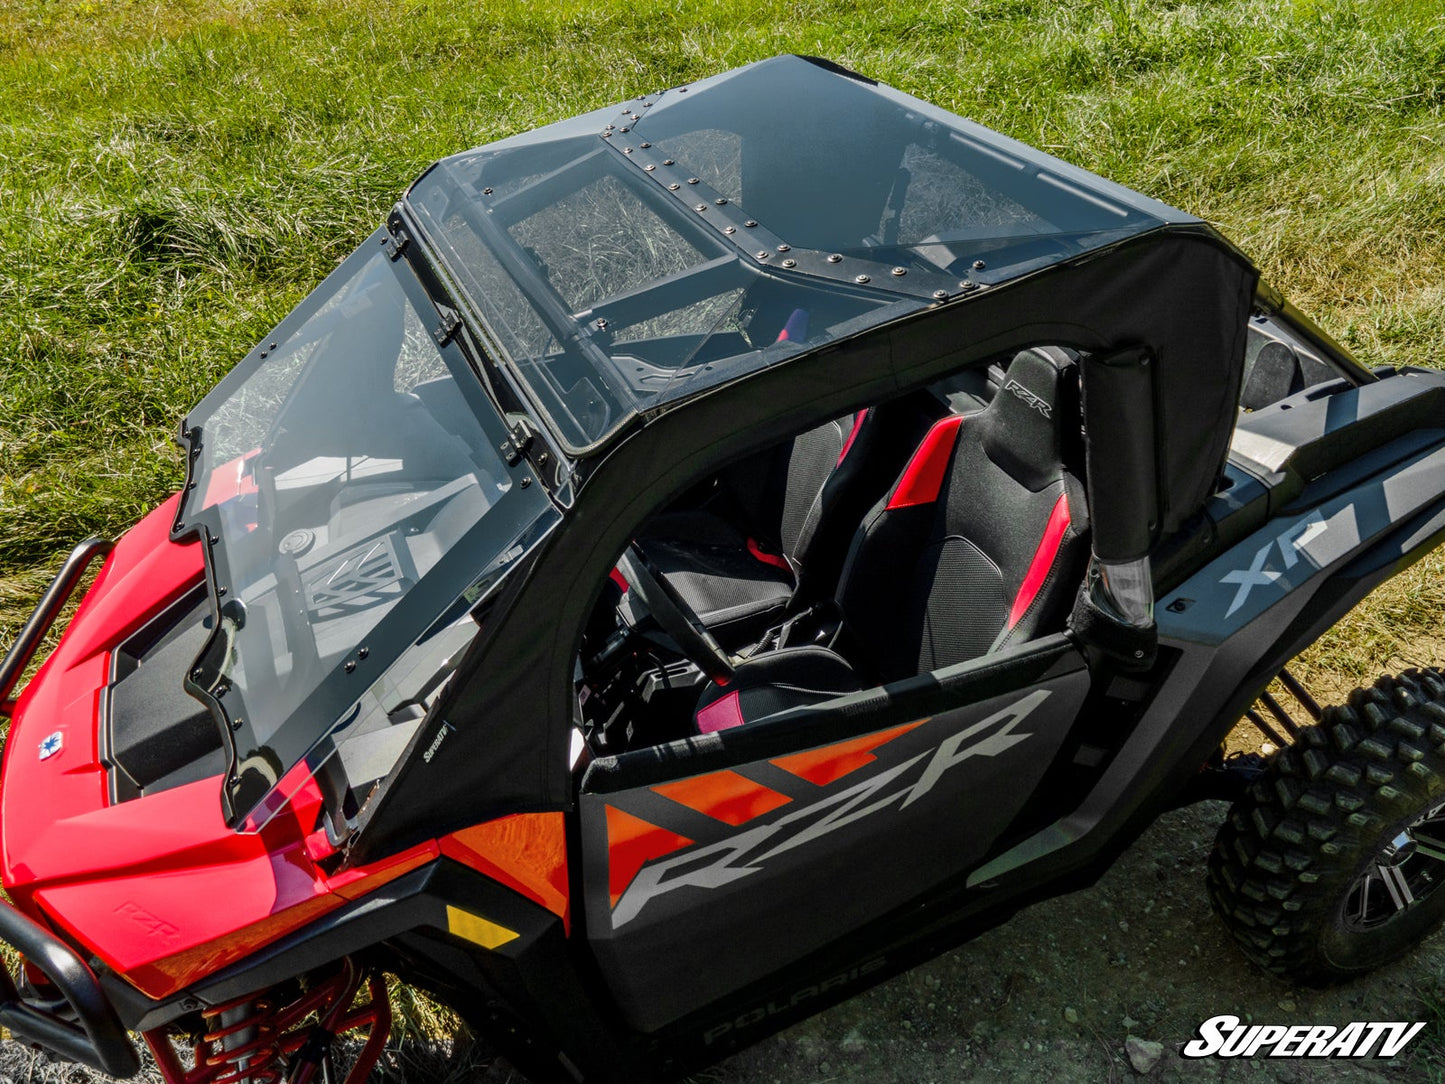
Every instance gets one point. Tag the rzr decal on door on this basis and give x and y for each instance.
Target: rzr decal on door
(646, 860)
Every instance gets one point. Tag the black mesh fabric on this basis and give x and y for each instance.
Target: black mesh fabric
(963, 603)
(812, 458)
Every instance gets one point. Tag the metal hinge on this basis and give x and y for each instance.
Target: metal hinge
(516, 445)
(450, 324)
(396, 241)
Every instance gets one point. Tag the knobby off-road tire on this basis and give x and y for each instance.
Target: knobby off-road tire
(1288, 870)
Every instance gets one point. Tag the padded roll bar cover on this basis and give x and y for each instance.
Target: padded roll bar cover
(1121, 455)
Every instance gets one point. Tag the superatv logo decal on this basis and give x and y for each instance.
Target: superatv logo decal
(1227, 1037)
(644, 858)
(1291, 542)
(436, 743)
(1035, 401)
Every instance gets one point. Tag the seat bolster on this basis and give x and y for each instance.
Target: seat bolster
(792, 677)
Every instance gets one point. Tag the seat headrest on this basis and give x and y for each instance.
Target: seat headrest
(1021, 429)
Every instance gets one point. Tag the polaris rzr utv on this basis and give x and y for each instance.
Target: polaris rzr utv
(699, 559)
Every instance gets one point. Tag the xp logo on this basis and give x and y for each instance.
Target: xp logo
(52, 744)
(1029, 397)
(1291, 542)
(646, 861)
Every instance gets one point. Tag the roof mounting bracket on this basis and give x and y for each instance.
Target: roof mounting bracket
(519, 439)
(450, 324)
(395, 240)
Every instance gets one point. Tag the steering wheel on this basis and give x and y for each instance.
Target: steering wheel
(672, 612)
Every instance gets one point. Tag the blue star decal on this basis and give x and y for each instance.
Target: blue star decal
(51, 745)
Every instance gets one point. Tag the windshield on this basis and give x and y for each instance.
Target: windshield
(631, 257)
(349, 479)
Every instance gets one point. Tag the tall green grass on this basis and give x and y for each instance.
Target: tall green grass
(175, 174)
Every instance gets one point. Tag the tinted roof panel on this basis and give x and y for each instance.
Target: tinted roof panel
(634, 256)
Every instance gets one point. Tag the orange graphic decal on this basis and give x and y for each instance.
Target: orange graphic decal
(724, 796)
(631, 844)
(823, 766)
(525, 851)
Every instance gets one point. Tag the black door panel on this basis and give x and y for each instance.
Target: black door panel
(702, 882)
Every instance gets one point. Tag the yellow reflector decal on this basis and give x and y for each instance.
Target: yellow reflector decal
(478, 930)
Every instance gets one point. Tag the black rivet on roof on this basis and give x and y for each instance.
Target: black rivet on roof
(692, 180)
(700, 208)
(673, 187)
(486, 191)
(750, 223)
(196, 673)
(835, 258)
(362, 652)
(263, 353)
(626, 129)
(526, 482)
(785, 248)
(609, 127)
(730, 230)
(215, 540)
(236, 724)
(626, 150)
(790, 263)
(967, 286)
(220, 591)
(649, 167)
(720, 201)
(940, 295)
(350, 665)
(273, 346)
(637, 116)
(606, 135)
(601, 323)
(900, 271)
(762, 254)
(979, 265)
(644, 146)
(668, 162)
(861, 279)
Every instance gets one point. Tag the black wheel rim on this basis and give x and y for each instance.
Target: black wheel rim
(1407, 870)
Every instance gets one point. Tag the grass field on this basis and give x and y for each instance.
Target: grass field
(176, 174)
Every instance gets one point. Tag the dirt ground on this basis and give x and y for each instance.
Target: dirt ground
(1052, 995)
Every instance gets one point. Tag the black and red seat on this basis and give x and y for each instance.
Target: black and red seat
(980, 544)
(777, 527)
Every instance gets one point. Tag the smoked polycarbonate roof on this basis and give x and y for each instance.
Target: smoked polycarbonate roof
(638, 254)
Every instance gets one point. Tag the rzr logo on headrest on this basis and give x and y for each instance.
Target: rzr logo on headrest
(1030, 398)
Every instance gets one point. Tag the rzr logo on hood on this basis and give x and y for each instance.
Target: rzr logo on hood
(633, 844)
(1035, 401)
